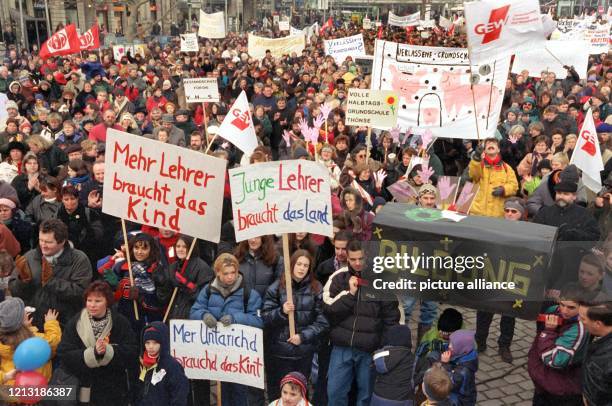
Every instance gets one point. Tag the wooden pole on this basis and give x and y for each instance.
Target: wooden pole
(218, 393)
(286, 258)
(210, 144)
(129, 261)
(368, 144)
(205, 119)
(193, 243)
(326, 135)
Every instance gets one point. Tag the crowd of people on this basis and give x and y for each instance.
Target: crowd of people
(65, 278)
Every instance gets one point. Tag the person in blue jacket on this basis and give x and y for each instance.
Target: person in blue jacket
(461, 363)
(162, 380)
(228, 301)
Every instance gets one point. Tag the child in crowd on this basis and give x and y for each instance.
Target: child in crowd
(436, 386)
(293, 391)
(461, 363)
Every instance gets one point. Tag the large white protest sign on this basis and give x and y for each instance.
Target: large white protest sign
(552, 57)
(283, 25)
(404, 21)
(163, 185)
(119, 51)
(277, 46)
(367, 24)
(228, 354)
(371, 108)
(569, 30)
(307, 31)
(598, 36)
(496, 29)
(199, 90)
(189, 43)
(212, 25)
(434, 91)
(281, 197)
(340, 48)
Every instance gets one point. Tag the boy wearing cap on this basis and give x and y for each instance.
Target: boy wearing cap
(293, 391)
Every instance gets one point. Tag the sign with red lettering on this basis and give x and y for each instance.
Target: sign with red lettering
(228, 354)
(163, 185)
(281, 197)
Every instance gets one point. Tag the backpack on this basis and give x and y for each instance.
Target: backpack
(246, 294)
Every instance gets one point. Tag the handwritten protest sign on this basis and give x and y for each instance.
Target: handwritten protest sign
(119, 51)
(367, 24)
(277, 46)
(371, 108)
(163, 185)
(281, 197)
(189, 43)
(598, 36)
(340, 48)
(212, 25)
(228, 354)
(200, 90)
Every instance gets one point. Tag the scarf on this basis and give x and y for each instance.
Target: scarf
(226, 291)
(142, 278)
(98, 325)
(149, 361)
(77, 180)
(493, 162)
(86, 332)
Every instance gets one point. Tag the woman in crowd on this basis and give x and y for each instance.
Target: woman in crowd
(259, 261)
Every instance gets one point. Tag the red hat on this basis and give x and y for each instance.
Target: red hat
(296, 378)
(59, 78)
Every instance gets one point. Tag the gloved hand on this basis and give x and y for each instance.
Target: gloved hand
(210, 320)
(130, 292)
(182, 282)
(23, 269)
(477, 155)
(226, 320)
(110, 277)
(498, 191)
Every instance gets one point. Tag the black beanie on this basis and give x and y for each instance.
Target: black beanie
(450, 320)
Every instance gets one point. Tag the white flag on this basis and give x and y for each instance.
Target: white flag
(587, 156)
(237, 127)
(496, 29)
(212, 25)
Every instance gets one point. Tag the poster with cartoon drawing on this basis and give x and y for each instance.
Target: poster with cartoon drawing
(434, 88)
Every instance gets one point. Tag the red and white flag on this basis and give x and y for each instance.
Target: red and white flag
(90, 39)
(379, 35)
(328, 24)
(237, 127)
(501, 28)
(587, 156)
(63, 42)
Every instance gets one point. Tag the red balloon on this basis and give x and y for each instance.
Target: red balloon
(30, 381)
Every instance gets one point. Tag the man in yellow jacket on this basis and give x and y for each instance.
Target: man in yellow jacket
(496, 179)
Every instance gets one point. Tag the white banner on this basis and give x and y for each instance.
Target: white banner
(571, 53)
(569, 30)
(371, 108)
(501, 28)
(200, 90)
(283, 25)
(277, 46)
(340, 48)
(212, 25)
(307, 31)
(281, 197)
(405, 21)
(163, 185)
(189, 43)
(228, 354)
(367, 24)
(433, 87)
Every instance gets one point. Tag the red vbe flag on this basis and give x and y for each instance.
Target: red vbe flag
(63, 42)
(90, 39)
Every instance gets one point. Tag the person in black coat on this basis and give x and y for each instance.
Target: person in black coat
(26, 183)
(288, 353)
(162, 380)
(99, 347)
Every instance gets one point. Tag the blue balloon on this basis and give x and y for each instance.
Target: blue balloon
(31, 354)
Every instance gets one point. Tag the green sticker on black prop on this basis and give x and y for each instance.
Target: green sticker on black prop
(423, 214)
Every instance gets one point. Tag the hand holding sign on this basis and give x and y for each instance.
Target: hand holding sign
(426, 172)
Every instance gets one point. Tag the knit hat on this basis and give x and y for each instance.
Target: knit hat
(296, 378)
(300, 153)
(568, 180)
(450, 321)
(566, 186)
(515, 203)
(462, 341)
(545, 164)
(604, 128)
(168, 118)
(529, 100)
(73, 148)
(152, 333)
(16, 145)
(12, 311)
(11, 105)
(428, 188)
(7, 202)
(398, 336)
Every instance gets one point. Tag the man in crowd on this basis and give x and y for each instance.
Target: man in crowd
(597, 366)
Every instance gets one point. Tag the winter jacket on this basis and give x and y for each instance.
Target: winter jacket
(544, 195)
(173, 386)
(84, 228)
(40, 210)
(310, 323)
(22, 230)
(51, 158)
(196, 273)
(356, 320)
(62, 292)
(393, 375)
(462, 372)
(597, 372)
(52, 334)
(20, 184)
(554, 360)
(108, 376)
(259, 276)
(232, 305)
(488, 178)
(176, 136)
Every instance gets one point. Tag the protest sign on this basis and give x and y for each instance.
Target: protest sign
(307, 31)
(201, 90)
(281, 197)
(404, 21)
(367, 24)
(283, 25)
(433, 85)
(340, 48)
(403, 192)
(464, 201)
(163, 185)
(140, 49)
(598, 36)
(119, 51)
(371, 108)
(474, 250)
(212, 25)
(189, 43)
(552, 57)
(278, 46)
(447, 191)
(569, 29)
(228, 354)
(294, 31)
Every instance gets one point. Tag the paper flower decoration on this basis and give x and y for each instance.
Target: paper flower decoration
(391, 100)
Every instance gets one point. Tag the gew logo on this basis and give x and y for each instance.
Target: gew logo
(493, 28)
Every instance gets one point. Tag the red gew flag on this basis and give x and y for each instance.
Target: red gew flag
(380, 32)
(328, 24)
(63, 42)
(90, 39)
